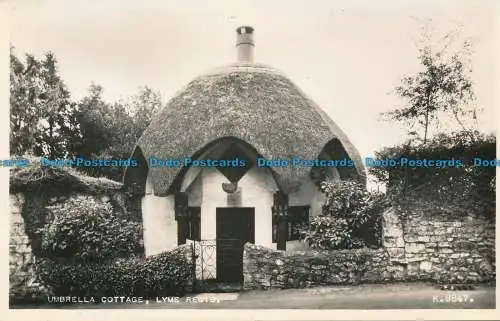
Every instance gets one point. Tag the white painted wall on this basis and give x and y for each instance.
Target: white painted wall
(255, 190)
(256, 187)
(158, 221)
(204, 189)
(160, 226)
(195, 190)
(308, 194)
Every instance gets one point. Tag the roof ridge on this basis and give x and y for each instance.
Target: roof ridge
(242, 67)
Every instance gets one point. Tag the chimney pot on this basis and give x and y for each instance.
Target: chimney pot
(244, 44)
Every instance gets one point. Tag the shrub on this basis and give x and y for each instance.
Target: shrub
(43, 185)
(456, 191)
(351, 218)
(168, 273)
(86, 230)
(24, 286)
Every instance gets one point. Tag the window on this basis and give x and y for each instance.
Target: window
(297, 215)
(194, 224)
(275, 231)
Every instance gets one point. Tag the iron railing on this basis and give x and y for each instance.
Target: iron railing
(205, 259)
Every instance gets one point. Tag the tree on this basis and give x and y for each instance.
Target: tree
(443, 85)
(46, 122)
(111, 130)
(143, 106)
(42, 116)
(94, 117)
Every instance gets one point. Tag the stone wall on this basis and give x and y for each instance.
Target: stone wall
(266, 268)
(450, 250)
(19, 244)
(441, 247)
(28, 213)
(23, 283)
(416, 247)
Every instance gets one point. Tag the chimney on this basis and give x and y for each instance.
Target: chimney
(244, 43)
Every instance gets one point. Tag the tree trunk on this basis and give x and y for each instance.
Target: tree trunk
(426, 124)
(429, 94)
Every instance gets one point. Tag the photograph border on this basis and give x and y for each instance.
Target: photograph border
(195, 314)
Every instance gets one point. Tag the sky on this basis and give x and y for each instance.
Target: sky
(348, 56)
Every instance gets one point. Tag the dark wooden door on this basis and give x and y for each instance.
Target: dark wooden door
(234, 227)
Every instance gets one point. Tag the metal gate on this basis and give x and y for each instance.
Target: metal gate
(205, 259)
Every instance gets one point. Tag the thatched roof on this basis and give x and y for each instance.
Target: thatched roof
(254, 103)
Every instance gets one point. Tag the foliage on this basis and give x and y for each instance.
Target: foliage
(37, 179)
(351, 218)
(24, 284)
(168, 273)
(442, 88)
(42, 118)
(110, 131)
(21, 293)
(88, 231)
(45, 121)
(443, 85)
(462, 189)
(94, 117)
(43, 185)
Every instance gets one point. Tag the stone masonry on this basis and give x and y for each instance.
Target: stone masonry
(418, 247)
(265, 268)
(441, 249)
(22, 278)
(457, 251)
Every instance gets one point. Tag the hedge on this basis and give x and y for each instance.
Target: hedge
(451, 190)
(88, 250)
(165, 274)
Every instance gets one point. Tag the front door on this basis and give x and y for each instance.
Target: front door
(234, 227)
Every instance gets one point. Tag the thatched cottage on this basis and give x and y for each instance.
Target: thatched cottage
(243, 111)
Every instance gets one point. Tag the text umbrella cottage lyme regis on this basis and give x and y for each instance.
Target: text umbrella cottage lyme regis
(240, 113)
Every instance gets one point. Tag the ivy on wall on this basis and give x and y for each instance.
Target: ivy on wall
(450, 191)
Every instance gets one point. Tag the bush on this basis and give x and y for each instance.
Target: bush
(458, 191)
(86, 230)
(351, 218)
(168, 273)
(24, 287)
